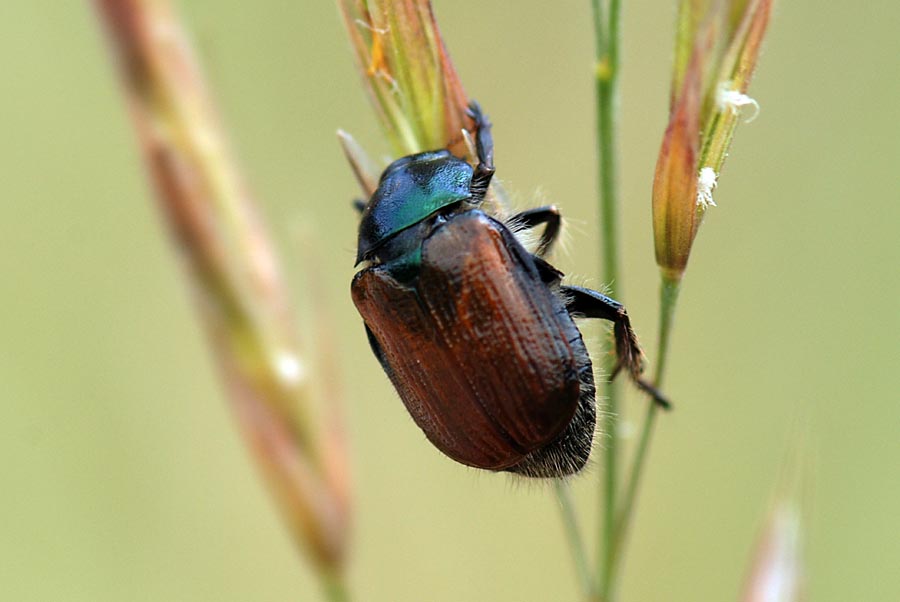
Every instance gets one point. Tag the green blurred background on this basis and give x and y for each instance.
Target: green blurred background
(123, 475)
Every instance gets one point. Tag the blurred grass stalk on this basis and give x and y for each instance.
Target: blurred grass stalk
(236, 279)
(716, 50)
(777, 570)
(776, 574)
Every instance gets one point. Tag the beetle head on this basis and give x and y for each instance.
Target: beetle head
(411, 189)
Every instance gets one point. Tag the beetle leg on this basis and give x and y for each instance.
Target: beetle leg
(549, 274)
(484, 146)
(532, 218)
(629, 356)
(359, 205)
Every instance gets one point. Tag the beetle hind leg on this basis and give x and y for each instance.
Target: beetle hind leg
(629, 356)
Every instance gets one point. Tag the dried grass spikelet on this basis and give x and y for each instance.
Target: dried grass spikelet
(235, 277)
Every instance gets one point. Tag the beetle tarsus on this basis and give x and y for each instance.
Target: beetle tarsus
(629, 356)
(658, 398)
(532, 218)
(484, 146)
(359, 205)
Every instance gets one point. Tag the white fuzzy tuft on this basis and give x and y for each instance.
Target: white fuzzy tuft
(734, 101)
(706, 183)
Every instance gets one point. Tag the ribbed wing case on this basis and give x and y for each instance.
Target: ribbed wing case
(484, 356)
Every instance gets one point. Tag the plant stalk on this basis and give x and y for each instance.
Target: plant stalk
(607, 33)
(334, 587)
(574, 539)
(668, 297)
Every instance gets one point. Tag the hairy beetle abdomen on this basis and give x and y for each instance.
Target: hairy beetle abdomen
(486, 359)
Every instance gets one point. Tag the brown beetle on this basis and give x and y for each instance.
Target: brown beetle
(475, 332)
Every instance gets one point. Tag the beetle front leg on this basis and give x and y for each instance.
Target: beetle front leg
(484, 146)
(532, 218)
(359, 205)
(629, 356)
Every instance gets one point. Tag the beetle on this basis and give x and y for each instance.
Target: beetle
(476, 333)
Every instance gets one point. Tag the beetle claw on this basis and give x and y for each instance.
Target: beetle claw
(658, 398)
(631, 358)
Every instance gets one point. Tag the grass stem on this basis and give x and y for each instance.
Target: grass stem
(607, 34)
(668, 297)
(334, 587)
(575, 540)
